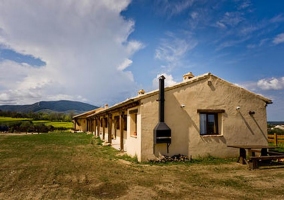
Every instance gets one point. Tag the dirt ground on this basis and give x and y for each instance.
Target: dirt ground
(35, 169)
(257, 184)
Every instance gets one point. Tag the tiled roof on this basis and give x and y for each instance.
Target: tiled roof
(183, 83)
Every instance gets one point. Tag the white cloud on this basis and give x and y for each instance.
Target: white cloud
(278, 18)
(126, 63)
(263, 41)
(230, 43)
(279, 39)
(133, 46)
(169, 80)
(173, 7)
(271, 84)
(232, 18)
(82, 43)
(245, 4)
(249, 29)
(220, 25)
(194, 15)
(173, 49)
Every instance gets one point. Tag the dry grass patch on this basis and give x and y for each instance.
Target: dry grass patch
(77, 166)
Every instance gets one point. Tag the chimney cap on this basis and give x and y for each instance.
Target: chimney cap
(187, 76)
(140, 92)
(162, 77)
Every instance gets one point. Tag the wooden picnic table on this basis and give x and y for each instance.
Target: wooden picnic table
(263, 149)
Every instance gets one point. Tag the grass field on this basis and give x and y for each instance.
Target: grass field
(77, 166)
(10, 119)
(67, 125)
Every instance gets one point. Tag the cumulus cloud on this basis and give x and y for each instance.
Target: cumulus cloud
(271, 84)
(279, 39)
(169, 80)
(84, 44)
(126, 63)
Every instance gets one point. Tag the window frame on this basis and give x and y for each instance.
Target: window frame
(133, 114)
(216, 126)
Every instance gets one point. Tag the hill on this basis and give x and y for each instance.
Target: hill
(62, 106)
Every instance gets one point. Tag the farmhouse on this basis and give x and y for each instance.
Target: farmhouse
(80, 122)
(198, 117)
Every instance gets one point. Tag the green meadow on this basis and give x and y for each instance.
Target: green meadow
(8, 120)
(11, 119)
(68, 125)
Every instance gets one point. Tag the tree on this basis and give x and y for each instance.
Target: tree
(26, 126)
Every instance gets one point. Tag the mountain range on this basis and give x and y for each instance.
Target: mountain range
(62, 106)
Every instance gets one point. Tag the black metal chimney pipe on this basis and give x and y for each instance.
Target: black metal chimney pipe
(162, 133)
(161, 99)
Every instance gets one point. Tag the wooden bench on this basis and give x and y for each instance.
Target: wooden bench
(265, 153)
(275, 153)
(254, 160)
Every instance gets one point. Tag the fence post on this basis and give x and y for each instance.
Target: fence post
(275, 139)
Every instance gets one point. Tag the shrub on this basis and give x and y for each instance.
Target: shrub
(4, 128)
(276, 130)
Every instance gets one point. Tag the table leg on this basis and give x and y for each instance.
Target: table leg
(264, 151)
(242, 158)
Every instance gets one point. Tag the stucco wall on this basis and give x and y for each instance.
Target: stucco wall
(236, 126)
(132, 143)
(83, 124)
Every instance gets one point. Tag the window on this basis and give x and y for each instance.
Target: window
(209, 121)
(133, 122)
(125, 122)
(116, 122)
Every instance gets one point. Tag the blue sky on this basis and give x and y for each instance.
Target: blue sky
(105, 51)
